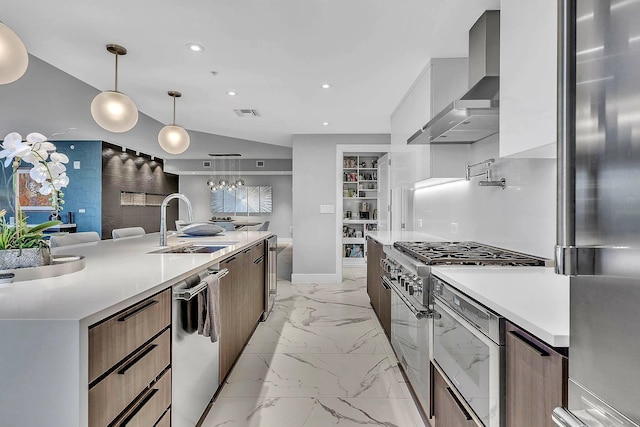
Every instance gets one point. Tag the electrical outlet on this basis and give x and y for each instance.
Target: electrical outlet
(81, 210)
(454, 228)
(419, 223)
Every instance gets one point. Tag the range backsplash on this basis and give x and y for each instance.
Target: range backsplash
(521, 217)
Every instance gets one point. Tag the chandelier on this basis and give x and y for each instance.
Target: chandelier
(226, 166)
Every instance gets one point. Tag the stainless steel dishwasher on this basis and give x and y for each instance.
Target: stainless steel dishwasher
(195, 359)
(271, 275)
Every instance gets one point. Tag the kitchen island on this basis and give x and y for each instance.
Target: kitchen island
(44, 323)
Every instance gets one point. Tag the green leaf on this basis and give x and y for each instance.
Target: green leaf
(43, 226)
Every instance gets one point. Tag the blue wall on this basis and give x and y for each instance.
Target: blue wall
(85, 186)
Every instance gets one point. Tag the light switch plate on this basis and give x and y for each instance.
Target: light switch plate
(81, 210)
(76, 164)
(327, 209)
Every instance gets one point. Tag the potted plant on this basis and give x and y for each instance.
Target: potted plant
(20, 245)
(23, 246)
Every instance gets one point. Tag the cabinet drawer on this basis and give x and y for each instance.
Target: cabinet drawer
(115, 392)
(165, 421)
(112, 340)
(257, 251)
(536, 379)
(150, 407)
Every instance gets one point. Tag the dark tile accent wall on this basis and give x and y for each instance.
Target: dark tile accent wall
(125, 171)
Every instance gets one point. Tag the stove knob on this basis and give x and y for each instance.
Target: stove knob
(402, 279)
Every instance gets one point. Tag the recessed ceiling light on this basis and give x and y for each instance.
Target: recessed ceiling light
(232, 93)
(326, 86)
(325, 123)
(195, 47)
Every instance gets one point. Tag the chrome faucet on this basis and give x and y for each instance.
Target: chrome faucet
(163, 214)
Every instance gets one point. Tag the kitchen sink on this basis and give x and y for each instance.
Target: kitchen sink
(193, 248)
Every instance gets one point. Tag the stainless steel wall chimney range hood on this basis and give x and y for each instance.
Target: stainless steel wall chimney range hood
(475, 115)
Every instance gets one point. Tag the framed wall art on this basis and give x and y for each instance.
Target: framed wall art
(28, 195)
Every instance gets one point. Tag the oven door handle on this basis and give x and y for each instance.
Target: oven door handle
(564, 418)
(419, 314)
(442, 306)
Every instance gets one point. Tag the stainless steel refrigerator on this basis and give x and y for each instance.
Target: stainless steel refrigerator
(599, 208)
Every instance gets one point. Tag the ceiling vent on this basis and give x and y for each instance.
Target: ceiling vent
(225, 155)
(206, 164)
(259, 163)
(247, 113)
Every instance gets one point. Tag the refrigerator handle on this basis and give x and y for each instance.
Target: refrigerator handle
(562, 417)
(566, 260)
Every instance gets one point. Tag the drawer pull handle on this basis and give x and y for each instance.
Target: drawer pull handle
(146, 400)
(230, 260)
(136, 359)
(462, 409)
(259, 260)
(246, 251)
(540, 352)
(138, 310)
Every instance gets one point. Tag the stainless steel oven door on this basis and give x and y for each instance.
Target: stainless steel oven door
(470, 360)
(410, 338)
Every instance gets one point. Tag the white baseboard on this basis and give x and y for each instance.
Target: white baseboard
(314, 278)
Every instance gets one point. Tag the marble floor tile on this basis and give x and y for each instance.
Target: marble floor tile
(320, 359)
(315, 375)
(323, 315)
(322, 292)
(288, 338)
(312, 412)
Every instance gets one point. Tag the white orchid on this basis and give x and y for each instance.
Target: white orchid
(13, 147)
(48, 169)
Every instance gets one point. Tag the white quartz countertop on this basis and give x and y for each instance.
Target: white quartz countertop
(390, 237)
(534, 298)
(117, 273)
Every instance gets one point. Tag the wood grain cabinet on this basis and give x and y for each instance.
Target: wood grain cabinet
(379, 296)
(230, 327)
(536, 379)
(241, 302)
(129, 364)
(447, 409)
(372, 274)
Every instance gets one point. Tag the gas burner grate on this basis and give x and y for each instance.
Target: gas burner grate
(465, 253)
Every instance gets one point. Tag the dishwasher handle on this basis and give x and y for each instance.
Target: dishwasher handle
(188, 294)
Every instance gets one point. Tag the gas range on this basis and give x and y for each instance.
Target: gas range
(415, 309)
(409, 264)
(465, 253)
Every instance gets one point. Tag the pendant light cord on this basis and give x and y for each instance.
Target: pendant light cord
(116, 72)
(174, 110)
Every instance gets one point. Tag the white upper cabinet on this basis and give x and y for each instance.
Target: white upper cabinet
(528, 63)
(442, 81)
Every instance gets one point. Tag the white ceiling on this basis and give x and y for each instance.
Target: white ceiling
(274, 53)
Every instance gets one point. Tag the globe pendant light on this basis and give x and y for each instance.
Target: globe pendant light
(172, 138)
(14, 58)
(113, 110)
